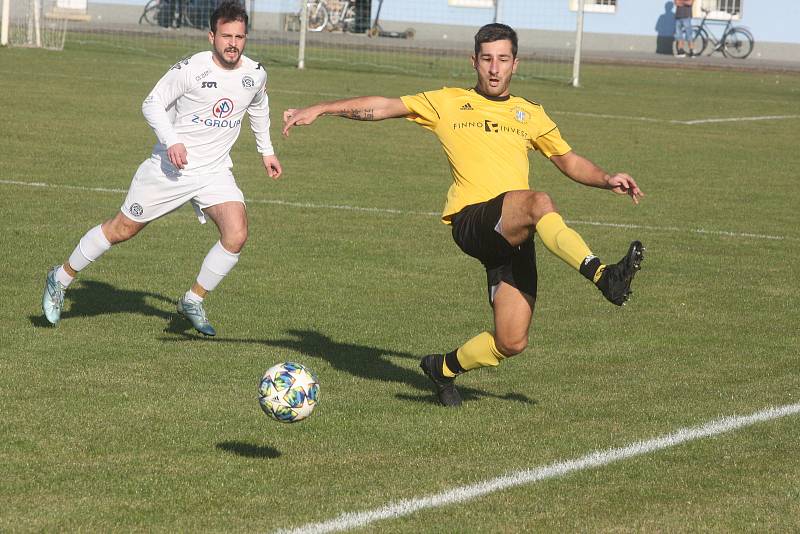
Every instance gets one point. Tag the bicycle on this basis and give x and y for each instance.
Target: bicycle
(321, 15)
(174, 14)
(735, 41)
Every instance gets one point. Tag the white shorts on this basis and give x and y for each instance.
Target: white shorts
(154, 192)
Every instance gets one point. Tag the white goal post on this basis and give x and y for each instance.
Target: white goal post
(33, 23)
(576, 62)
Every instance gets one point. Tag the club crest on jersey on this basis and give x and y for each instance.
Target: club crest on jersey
(136, 210)
(223, 108)
(248, 82)
(520, 115)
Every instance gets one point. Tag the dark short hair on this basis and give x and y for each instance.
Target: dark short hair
(228, 11)
(496, 32)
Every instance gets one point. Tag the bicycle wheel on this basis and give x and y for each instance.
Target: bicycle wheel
(318, 16)
(349, 20)
(150, 13)
(699, 40)
(737, 43)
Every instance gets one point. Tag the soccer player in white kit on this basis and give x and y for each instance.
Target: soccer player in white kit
(196, 111)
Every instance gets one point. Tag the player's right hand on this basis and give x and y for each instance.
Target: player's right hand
(177, 155)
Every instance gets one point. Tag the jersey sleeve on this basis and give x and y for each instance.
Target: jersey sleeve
(258, 111)
(548, 138)
(423, 108)
(158, 107)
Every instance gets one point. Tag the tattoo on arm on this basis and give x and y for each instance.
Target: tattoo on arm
(357, 114)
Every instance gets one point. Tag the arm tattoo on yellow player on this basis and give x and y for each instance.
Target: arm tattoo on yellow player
(357, 114)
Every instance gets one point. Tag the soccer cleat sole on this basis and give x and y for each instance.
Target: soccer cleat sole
(636, 251)
(635, 258)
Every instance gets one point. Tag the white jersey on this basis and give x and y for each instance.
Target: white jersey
(201, 105)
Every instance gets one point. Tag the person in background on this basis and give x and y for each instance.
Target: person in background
(683, 28)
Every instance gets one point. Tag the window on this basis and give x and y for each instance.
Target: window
(470, 3)
(595, 6)
(719, 9)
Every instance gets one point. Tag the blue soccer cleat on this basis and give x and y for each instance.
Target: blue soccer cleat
(196, 315)
(53, 297)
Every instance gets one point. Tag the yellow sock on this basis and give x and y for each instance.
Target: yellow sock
(561, 240)
(480, 351)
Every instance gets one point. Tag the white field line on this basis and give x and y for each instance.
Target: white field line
(672, 121)
(607, 116)
(592, 460)
(740, 119)
(390, 211)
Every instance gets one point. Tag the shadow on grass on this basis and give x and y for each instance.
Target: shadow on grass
(248, 450)
(465, 395)
(363, 361)
(178, 324)
(89, 298)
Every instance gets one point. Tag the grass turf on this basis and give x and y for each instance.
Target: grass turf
(122, 419)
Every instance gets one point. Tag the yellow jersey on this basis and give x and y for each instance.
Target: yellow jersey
(486, 141)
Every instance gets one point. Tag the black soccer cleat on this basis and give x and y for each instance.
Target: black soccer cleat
(615, 281)
(445, 386)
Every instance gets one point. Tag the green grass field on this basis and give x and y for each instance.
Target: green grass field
(122, 419)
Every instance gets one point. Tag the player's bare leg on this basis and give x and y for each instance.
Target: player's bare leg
(231, 220)
(522, 210)
(512, 319)
(526, 212)
(121, 228)
(91, 246)
(513, 312)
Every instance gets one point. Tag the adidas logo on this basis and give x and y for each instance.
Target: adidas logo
(466, 107)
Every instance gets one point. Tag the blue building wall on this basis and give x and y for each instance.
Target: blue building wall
(770, 20)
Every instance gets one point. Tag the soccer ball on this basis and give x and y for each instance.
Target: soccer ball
(288, 392)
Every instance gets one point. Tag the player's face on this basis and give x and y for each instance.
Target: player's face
(228, 43)
(495, 64)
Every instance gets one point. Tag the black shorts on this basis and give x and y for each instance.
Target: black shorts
(474, 232)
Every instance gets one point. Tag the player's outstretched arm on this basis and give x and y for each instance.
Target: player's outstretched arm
(586, 172)
(362, 108)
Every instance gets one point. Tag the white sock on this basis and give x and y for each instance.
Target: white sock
(91, 246)
(216, 265)
(63, 276)
(191, 295)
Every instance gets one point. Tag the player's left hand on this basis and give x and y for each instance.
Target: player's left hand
(298, 117)
(272, 165)
(623, 184)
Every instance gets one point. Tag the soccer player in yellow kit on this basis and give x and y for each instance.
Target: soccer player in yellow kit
(486, 133)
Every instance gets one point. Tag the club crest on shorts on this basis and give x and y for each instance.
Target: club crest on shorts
(136, 210)
(248, 82)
